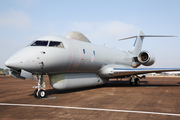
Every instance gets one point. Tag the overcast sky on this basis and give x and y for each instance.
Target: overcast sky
(102, 21)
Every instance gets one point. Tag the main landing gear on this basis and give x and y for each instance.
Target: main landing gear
(134, 81)
(40, 92)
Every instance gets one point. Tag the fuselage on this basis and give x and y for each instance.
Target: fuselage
(72, 56)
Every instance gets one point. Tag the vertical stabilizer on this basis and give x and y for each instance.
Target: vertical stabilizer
(138, 43)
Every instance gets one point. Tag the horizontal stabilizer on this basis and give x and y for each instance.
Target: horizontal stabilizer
(157, 36)
(128, 38)
(147, 36)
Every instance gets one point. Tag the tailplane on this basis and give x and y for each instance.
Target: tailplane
(139, 41)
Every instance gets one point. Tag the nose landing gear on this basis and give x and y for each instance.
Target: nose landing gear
(40, 92)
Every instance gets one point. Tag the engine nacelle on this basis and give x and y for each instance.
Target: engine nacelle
(75, 80)
(146, 58)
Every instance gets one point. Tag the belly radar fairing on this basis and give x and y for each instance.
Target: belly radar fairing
(73, 62)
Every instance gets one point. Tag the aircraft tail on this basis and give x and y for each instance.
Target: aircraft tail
(139, 41)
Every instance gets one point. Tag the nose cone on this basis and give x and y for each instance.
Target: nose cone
(14, 63)
(7, 64)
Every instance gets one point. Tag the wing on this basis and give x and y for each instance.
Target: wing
(135, 71)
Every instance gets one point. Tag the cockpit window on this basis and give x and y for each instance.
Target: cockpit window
(56, 44)
(40, 43)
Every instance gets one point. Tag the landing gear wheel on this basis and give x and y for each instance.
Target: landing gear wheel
(130, 83)
(39, 92)
(42, 94)
(35, 93)
(137, 83)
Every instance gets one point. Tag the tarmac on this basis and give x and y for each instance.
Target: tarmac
(156, 98)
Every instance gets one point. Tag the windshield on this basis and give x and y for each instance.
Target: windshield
(56, 44)
(40, 43)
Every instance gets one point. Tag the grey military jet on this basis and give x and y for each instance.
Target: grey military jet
(73, 62)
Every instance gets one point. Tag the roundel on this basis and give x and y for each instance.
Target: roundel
(92, 58)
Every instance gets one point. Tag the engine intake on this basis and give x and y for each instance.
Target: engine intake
(146, 58)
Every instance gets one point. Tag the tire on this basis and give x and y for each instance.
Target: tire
(130, 83)
(42, 94)
(35, 93)
(137, 83)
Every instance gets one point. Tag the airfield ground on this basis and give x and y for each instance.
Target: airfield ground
(157, 98)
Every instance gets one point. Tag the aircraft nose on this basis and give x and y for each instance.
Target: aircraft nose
(14, 64)
(7, 64)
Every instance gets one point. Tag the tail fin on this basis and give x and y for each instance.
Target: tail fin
(139, 41)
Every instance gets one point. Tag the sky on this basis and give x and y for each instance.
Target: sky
(101, 21)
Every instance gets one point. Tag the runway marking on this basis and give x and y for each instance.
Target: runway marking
(94, 109)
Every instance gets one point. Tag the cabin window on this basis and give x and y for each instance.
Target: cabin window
(94, 52)
(56, 44)
(84, 51)
(40, 43)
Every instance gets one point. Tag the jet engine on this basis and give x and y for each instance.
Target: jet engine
(75, 80)
(146, 58)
